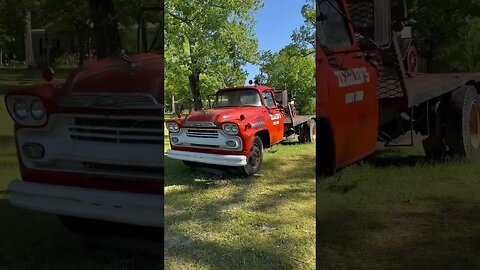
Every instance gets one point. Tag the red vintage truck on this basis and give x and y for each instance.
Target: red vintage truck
(91, 149)
(369, 91)
(241, 123)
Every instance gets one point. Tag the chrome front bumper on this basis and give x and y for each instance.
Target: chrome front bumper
(225, 160)
(114, 206)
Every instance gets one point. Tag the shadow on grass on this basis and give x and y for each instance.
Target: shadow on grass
(31, 240)
(281, 185)
(446, 235)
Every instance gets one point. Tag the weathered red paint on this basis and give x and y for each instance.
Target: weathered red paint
(354, 126)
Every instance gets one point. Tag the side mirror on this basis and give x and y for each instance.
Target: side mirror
(48, 74)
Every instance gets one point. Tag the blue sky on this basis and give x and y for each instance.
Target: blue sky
(275, 24)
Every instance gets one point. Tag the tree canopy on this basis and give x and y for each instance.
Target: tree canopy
(207, 43)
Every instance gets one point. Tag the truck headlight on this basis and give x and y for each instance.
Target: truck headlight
(230, 129)
(20, 109)
(27, 110)
(173, 127)
(37, 109)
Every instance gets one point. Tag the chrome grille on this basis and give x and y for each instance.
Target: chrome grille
(117, 130)
(202, 133)
(111, 101)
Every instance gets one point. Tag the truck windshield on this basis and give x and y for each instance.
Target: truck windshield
(237, 98)
(332, 28)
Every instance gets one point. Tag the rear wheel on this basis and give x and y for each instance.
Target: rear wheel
(254, 161)
(463, 123)
(411, 62)
(311, 131)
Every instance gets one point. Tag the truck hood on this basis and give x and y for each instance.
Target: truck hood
(220, 115)
(144, 74)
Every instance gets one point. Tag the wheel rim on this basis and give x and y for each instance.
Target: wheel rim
(255, 154)
(314, 132)
(412, 61)
(474, 126)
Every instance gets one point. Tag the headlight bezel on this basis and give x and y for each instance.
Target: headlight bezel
(173, 127)
(27, 100)
(228, 128)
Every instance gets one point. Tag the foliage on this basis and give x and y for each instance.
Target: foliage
(293, 69)
(447, 33)
(304, 36)
(207, 43)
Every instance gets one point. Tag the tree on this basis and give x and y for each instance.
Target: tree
(210, 40)
(29, 59)
(107, 38)
(304, 36)
(291, 69)
(446, 33)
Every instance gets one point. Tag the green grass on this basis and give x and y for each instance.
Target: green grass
(214, 221)
(398, 211)
(23, 76)
(33, 240)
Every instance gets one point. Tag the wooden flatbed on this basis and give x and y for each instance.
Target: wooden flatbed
(424, 87)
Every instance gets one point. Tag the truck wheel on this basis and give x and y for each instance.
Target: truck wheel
(81, 226)
(463, 123)
(192, 164)
(311, 131)
(411, 61)
(303, 135)
(254, 162)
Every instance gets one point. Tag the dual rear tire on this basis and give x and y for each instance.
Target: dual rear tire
(462, 135)
(459, 119)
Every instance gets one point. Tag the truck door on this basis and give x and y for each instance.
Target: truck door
(274, 119)
(346, 85)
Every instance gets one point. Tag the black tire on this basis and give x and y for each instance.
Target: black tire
(254, 162)
(463, 123)
(311, 131)
(434, 146)
(84, 227)
(302, 136)
(192, 164)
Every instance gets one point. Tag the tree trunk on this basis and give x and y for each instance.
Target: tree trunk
(194, 79)
(1, 55)
(107, 38)
(29, 60)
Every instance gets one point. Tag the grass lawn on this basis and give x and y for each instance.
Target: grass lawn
(213, 221)
(22, 76)
(398, 211)
(32, 240)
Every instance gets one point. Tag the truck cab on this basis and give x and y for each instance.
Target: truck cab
(91, 148)
(347, 104)
(233, 132)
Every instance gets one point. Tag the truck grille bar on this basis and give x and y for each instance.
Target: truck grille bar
(202, 133)
(117, 130)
